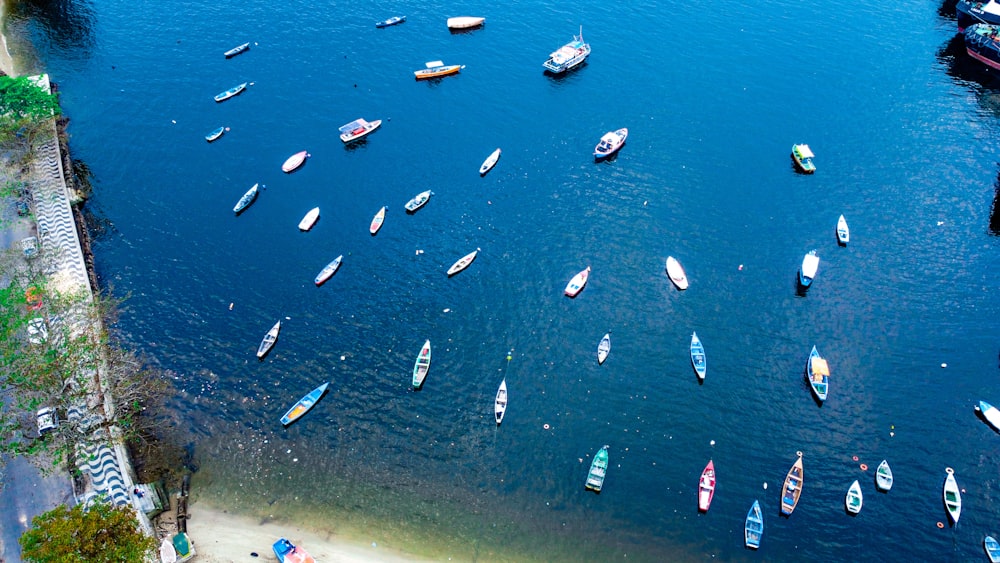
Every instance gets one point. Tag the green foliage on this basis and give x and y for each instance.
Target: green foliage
(22, 101)
(96, 534)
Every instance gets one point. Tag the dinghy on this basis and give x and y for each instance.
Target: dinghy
(803, 156)
(676, 273)
(992, 549)
(598, 470)
(952, 496)
(854, 498)
(990, 413)
(818, 375)
(246, 200)
(465, 22)
(422, 365)
(215, 134)
(237, 50)
(303, 405)
(576, 284)
(309, 220)
(377, 221)
(235, 90)
(604, 348)
(706, 487)
(462, 263)
(808, 270)
(500, 407)
(268, 342)
(883, 476)
(698, 359)
(490, 162)
(843, 233)
(753, 529)
(792, 489)
(418, 201)
(328, 270)
(294, 161)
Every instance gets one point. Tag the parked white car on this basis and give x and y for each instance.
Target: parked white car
(48, 419)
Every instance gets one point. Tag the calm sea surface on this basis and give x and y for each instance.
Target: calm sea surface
(905, 130)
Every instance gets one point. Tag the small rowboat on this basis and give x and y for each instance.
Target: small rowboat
(818, 375)
(309, 220)
(422, 365)
(418, 201)
(610, 143)
(246, 200)
(754, 527)
(676, 273)
(465, 22)
(436, 69)
(990, 413)
(391, 21)
(377, 221)
(294, 161)
(328, 270)
(576, 284)
(992, 548)
(843, 233)
(706, 487)
(500, 408)
(268, 342)
(167, 552)
(883, 476)
(810, 263)
(604, 348)
(357, 129)
(230, 92)
(237, 50)
(598, 470)
(215, 134)
(490, 162)
(792, 488)
(854, 498)
(303, 405)
(287, 552)
(462, 263)
(952, 496)
(803, 156)
(698, 359)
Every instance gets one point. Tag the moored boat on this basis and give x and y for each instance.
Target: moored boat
(418, 201)
(803, 155)
(183, 547)
(235, 90)
(167, 552)
(990, 413)
(883, 476)
(818, 374)
(394, 20)
(302, 406)
(328, 270)
(287, 552)
(698, 359)
(676, 273)
(982, 42)
(377, 221)
(952, 496)
(237, 50)
(490, 162)
(294, 161)
(992, 547)
(706, 487)
(268, 342)
(810, 263)
(569, 55)
(604, 348)
(598, 470)
(422, 365)
(970, 12)
(465, 22)
(309, 220)
(843, 233)
(357, 129)
(435, 69)
(576, 284)
(610, 143)
(500, 406)
(215, 134)
(792, 488)
(246, 200)
(854, 498)
(462, 263)
(753, 529)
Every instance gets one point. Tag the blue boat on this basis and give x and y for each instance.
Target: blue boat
(303, 405)
(818, 374)
(982, 42)
(971, 12)
(215, 134)
(698, 359)
(992, 548)
(235, 90)
(754, 527)
(808, 270)
(391, 21)
(287, 552)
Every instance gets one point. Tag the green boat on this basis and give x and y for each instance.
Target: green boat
(422, 365)
(598, 470)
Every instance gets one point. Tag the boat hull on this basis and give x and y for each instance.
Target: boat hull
(237, 50)
(598, 471)
(418, 201)
(465, 22)
(309, 220)
(753, 529)
(610, 143)
(676, 273)
(489, 163)
(437, 72)
(422, 365)
(328, 271)
(215, 134)
(603, 349)
(395, 20)
(304, 405)
(377, 222)
(293, 162)
(818, 381)
(500, 406)
(577, 283)
(248, 198)
(969, 13)
(883, 476)
(269, 339)
(462, 263)
(706, 487)
(234, 91)
(698, 359)
(792, 488)
(952, 497)
(361, 132)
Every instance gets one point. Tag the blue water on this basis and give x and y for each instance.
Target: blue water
(904, 129)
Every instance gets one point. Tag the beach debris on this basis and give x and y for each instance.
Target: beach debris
(342, 358)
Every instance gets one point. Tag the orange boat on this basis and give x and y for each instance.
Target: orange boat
(435, 69)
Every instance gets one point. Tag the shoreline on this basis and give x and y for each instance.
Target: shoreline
(6, 60)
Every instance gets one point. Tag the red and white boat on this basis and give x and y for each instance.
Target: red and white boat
(294, 161)
(576, 284)
(676, 273)
(706, 487)
(377, 221)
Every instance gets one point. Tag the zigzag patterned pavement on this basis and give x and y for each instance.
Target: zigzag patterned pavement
(100, 463)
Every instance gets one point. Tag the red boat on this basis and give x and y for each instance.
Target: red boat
(706, 487)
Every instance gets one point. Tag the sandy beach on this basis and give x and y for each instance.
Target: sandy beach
(221, 537)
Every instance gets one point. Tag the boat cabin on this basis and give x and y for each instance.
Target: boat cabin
(355, 127)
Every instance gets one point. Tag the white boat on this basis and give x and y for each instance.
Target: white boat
(569, 55)
(377, 221)
(422, 365)
(436, 69)
(843, 233)
(268, 342)
(357, 129)
(465, 22)
(418, 201)
(215, 134)
(328, 270)
(167, 552)
(246, 200)
(604, 348)
(294, 161)
(237, 50)
(854, 498)
(808, 270)
(676, 273)
(610, 143)
(490, 162)
(463, 262)
(235, 90)
(309, 220)
(576, 284)
(990, 413)
(952, 496)
(500, 408)
(883, 476)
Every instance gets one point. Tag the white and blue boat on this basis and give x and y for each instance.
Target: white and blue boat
(698, 360)
(971, 12)
(843, 232)
(215, 134)
(818, 374)
(569, 55)
(808, 270)
(287, 552)
(304, 404)
(235, 90)
(328, 270)
(754, 527)
(990, 413)
(992, 547)
(391, 21)
(237, 50)
(246, 200)
(982, 42)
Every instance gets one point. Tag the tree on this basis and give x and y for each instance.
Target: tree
(21, 99)
(94, 534)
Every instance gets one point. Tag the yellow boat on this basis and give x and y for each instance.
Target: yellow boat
(435, 69)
